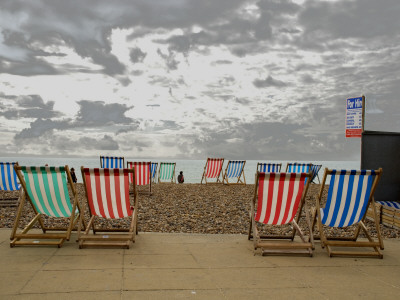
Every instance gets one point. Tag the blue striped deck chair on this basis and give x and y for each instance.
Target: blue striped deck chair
(314, 172)
(298, 168)
(46, 189)
(8, 183)
(112, 162)
(234, 169)
(166, 172)
(349, 196)
(269, 167)
(153, 171)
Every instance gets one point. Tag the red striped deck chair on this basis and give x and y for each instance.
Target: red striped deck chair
(279, 199)
(235, 170)
(345, 207)
(212, 169)
(107, 193)
(142, 174)
(46, 189)
(9, 185)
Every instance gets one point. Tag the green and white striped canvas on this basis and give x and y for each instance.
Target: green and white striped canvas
(166, 171)
(48, 191)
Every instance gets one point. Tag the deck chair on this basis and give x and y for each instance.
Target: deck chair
(47, 191)
(142, 173)
(349, 196)
(234, 169)
(166, 173)
(153, 171)
(212, 169)
(279, 199)
(8, 183)
(107, 194)
(112, 162)
(314, 172)
(298, 168)
(269, 167)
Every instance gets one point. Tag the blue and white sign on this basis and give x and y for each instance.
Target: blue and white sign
(354, 117)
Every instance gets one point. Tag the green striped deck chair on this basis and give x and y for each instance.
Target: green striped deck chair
(166, 173)
(46, 189)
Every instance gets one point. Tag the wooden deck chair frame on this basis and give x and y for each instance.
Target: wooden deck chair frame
(236, 173)
(24, 237)
(9, 183)
(275, 167)
(331, 242)
(215, 174)
(284, 243)
(154, 167)
(140, 176)
(103, 236)
(120, 162)
(161, 173)
(315, 170)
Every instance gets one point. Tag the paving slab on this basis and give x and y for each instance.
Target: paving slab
(185, 266)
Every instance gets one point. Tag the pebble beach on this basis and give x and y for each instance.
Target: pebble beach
(191, 208)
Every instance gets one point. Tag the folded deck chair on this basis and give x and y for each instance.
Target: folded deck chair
(8, 183)
(47, 191)
(142, 173)
(107, 193)
(349, 196)
(279, 199)
(212, 169)
(314, 172)
(269, 167)
(153, 171)
(235, 169)
(166, 173)
(112, 162)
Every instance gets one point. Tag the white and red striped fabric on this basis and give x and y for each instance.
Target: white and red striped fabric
(279, 196)
(214, 166)
(142, 172)
(108, 192)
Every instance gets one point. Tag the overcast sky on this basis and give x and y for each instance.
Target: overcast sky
(195, 79)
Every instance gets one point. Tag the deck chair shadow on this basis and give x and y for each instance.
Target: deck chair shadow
(349, 196)
(314, 173)
(166, 172)
(212, 170)
(142, 174)
(112, 162)
(279, 200)
(46, 189)
(8, 184)
(234, 170)
(107, 194)
(153, 171)
(269, 167)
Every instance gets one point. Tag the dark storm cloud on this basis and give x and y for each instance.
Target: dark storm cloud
(137, 55)
(98, 113)
(39, 127)
(268, 82)
(105, 143)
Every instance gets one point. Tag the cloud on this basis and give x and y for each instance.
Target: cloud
(268, 82)
(40, 127)
(137, 55)
(106, 143)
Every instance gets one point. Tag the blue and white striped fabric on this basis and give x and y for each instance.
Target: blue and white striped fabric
(348, 196)
(109, 162)
(314, 171)
(390, 204)
(269, 167)
(297, 168)
(8, 177)
(153, 170)
(235, 168)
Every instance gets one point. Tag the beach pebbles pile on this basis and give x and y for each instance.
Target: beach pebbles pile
(190, 208)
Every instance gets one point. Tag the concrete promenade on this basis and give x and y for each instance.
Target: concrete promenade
(191, 266)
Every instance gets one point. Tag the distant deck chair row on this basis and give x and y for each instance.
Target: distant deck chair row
(279, 199)
(292, 167)
(108, 197)
(8, 182)
(234, 171)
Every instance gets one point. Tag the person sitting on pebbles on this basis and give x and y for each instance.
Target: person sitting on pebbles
(180, 177)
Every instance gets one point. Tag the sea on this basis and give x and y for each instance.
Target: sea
(192, 169)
